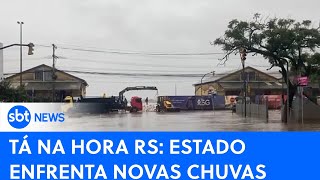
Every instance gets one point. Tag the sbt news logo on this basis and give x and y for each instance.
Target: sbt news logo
(19, 117)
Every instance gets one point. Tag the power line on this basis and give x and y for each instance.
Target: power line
(130, 69)
(152, 69)
(66, 46)
(94, 50)
(124, 74)
(139, 64)
(137, 74)
(134, 74)
(154, 82)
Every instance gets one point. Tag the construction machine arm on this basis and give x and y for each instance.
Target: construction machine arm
(135, 89)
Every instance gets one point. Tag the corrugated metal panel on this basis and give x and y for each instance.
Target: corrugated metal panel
(238, 85)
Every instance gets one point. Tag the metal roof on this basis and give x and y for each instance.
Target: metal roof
(253, 85)
(217, 77)
(46, 66)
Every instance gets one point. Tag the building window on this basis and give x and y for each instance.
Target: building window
(250, 76)
(38, 75)
(43, 75)
(47, 76)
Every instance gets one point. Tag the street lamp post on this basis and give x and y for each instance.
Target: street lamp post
(244, 88)
(288, 109)
(20, 23)
(212, 72)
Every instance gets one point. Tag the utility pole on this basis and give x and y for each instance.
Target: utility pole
(288, 93)
(243, 56)
(1, 63)
(54, 77)
(20, 23)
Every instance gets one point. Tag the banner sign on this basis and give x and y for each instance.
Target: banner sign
(303, 81)
(203, 102)
(198, 102)
(159, 155)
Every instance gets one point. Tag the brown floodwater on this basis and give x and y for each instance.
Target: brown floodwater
(179, 121)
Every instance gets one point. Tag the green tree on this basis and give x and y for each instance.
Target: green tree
(314, 61)
(279, 41)
(10, 94)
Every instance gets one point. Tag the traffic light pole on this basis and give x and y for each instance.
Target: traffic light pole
(20, 24)
(28, 45)
(30, 52)
(243, 54)
(54, 47)
(244, 88)
(20, 53)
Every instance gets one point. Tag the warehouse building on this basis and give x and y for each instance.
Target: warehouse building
(40, 86)
(232, 84)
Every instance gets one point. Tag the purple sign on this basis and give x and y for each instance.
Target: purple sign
(303, 81)
(203, 102)
(198, 102)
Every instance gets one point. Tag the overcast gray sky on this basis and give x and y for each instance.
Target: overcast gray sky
(169, 26)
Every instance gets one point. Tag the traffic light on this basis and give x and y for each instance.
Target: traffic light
(243, 54)
(30, 51)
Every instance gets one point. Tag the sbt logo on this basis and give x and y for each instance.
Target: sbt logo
(19, 117)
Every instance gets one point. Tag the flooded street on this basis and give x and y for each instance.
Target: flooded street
(178, 121)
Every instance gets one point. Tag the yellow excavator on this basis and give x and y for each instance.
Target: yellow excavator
(164, 104)
(68, 104)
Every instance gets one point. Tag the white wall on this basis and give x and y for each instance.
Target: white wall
(1, 63)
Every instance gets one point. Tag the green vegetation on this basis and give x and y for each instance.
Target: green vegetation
(279, 41)
(10, 94)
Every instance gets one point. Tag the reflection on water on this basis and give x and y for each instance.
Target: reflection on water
(179, 121)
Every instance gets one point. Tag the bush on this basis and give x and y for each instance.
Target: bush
(10, 94)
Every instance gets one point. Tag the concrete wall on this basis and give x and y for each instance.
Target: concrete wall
(253, 110)
(311, 111)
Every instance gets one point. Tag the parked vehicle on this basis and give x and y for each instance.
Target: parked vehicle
(68, 104)
(136, 104)
(101, 105)
(92, 105)
(165, 105)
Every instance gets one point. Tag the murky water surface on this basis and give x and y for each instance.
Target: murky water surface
(179, 121)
